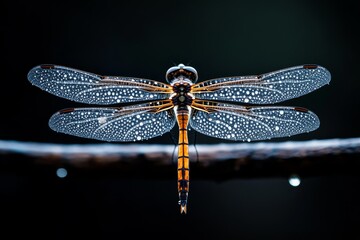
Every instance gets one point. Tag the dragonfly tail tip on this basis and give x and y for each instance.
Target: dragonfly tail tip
(183, 209)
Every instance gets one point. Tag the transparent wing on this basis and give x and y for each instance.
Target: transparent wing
(91, 88)
(267, 88)
(238, 123)
(132, 123)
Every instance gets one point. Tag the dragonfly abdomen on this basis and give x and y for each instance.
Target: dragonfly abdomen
(183, 159)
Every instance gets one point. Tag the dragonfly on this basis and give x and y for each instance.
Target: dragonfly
(233, 108)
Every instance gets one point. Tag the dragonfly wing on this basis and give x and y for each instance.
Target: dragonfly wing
(132, 123)
(238, 123)
(267, 88)
(85, 87)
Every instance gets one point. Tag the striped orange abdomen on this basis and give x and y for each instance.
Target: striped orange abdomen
(183, 160)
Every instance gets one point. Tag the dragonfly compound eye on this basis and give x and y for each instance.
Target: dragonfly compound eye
(181, 70)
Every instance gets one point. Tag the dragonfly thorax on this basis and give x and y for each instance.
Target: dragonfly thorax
(182, 96)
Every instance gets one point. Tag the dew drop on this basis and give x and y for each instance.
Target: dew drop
(102, 120)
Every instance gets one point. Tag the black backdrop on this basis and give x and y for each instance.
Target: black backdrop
(144, 39)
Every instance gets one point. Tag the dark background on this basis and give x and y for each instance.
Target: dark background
(144, 39)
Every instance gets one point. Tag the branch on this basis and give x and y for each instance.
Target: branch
(219, 161)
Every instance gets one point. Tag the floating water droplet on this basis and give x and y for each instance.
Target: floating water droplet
(294, 180)
(61, 172)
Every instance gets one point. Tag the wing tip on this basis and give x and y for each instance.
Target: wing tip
(31, 73)
(326, 72)
(31, 76)
(312, 117)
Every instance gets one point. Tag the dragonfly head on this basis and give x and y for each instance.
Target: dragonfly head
(181, 70)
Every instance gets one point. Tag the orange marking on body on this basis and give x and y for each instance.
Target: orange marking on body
(183, 156)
